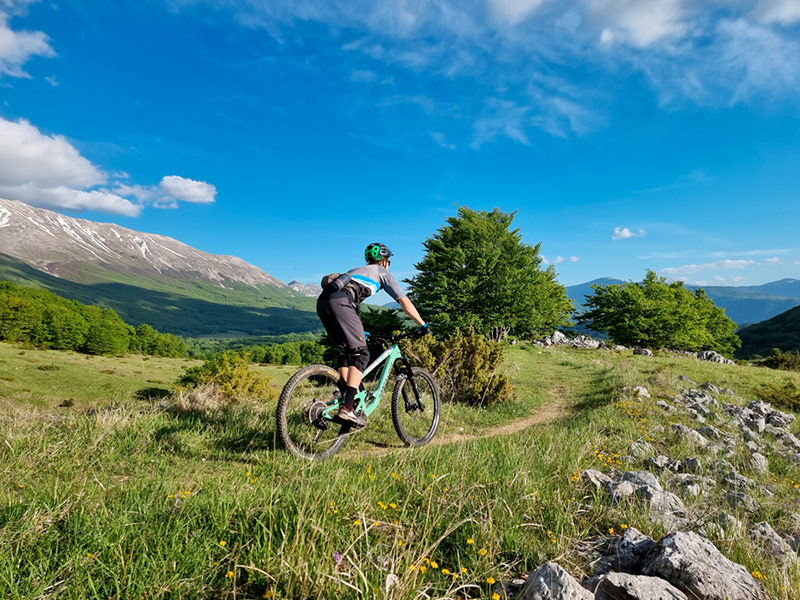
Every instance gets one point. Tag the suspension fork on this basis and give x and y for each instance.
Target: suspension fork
(405, 369)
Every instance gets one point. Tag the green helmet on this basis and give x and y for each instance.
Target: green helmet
(376, 252)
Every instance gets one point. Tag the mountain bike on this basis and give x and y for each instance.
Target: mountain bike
(308, 425)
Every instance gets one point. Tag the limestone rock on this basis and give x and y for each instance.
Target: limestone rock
(595, 478)
(712, 356)
(642, 352)
(551, 582)
(694, 565)
(764, 535)
(622, 586)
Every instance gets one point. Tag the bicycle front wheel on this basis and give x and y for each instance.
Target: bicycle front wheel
(415, 414)
(301, 426)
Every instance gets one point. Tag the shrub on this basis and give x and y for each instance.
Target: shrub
(785, 361)
(783, 394)
(466, 365)
(230, 372)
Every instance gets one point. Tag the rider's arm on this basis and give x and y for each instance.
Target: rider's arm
(411, 310)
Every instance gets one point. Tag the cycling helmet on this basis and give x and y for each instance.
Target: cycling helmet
(376, 252)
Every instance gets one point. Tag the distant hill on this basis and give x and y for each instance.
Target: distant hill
(147, 278)
(781, 331)
(755, 303)
(577, 293)
(743, 304)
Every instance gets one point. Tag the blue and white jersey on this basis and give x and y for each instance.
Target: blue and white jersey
(370, 279)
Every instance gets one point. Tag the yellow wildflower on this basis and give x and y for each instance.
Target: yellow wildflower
(463, 569)
(490, 580)
(223, 543)
(423, 568)
(229, 575)
(495, 596)
(445, 572)
(434, 564)
(470, 541)
(482, 551)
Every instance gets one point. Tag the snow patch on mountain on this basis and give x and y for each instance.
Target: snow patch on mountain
(64, 246)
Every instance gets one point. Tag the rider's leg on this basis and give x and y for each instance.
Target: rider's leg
(357, 360)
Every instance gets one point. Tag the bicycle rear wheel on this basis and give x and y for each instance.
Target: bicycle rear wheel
(416, 417)
(301, 427)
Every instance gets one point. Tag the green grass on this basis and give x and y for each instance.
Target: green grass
(134, 501)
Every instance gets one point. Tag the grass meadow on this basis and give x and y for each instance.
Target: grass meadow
(108, 489)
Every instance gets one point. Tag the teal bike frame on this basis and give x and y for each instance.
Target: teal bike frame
(368, 400)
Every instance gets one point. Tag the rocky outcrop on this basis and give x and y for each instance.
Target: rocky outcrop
(621, 586)
(694, 565)
(551, 582)
(311, 290)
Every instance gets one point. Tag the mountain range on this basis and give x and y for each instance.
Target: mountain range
(743, 304)
(147, 278)
(155, 279)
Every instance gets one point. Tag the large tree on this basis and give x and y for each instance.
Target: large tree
(478, 273)
(659, 314)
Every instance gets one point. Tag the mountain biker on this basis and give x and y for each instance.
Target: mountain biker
(338, 309)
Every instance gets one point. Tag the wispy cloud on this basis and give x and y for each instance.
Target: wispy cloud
(623, 233)
(558, 260)
(774, 260)
(516, 54)
(439, 138)
(696, 268)
(18, 47)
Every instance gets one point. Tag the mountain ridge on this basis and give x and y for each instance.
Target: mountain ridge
(745, 305)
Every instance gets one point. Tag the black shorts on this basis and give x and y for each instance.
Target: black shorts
(339, 315)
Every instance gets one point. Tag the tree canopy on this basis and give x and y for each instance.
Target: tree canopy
(659, 314)
(478, 273)
(42, 318)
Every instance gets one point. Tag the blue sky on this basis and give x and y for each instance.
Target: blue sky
(628, 134)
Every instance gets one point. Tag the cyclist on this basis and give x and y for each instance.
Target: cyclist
(338, 309)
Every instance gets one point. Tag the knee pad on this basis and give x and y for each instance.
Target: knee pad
(358, 358)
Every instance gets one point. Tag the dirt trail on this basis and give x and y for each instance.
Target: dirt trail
(553, 410)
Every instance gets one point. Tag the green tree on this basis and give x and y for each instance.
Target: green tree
(659, 314)
(478, 273)
(108, 334)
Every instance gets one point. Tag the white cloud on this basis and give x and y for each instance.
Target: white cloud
(49, 172)
(439, 138)
(638, 22)
(27, 155)
(188, 190)
(717, 54)
(513, 11)
(774, 260)
(558, 260)
(17, 47)
(503, 119)
(721, 264)
(623, 233)
(61, 197)
(784, 12)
